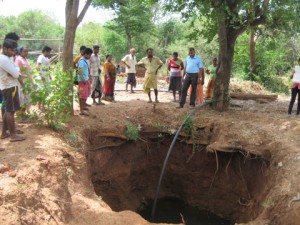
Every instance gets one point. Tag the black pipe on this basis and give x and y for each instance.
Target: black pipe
(169, 153)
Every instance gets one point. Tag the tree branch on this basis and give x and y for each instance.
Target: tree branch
(83, 11)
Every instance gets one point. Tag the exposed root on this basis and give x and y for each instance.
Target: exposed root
(182, 219)
(226, 168)
(107, 146)
(217, 169)
(243, 179)
(112, 135)
(194, 151)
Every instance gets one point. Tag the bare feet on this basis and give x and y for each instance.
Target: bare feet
(6, 135)
(156, 100)
(150, 101)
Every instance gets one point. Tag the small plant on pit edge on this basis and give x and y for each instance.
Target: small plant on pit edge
(188, 124)
(132, 131)
(159, 125)
(268, 203)
(71, 138)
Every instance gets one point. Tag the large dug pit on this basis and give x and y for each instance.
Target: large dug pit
(200, 186)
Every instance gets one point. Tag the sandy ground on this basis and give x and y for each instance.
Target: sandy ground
(52, 186)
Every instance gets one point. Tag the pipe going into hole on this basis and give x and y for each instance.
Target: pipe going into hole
(169, 153)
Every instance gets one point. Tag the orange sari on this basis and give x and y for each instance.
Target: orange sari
(109, 81)
(199, 94)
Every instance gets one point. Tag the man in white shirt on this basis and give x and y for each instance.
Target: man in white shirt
(95, 72)
(130, 63)
(43, 63)
(9, 87)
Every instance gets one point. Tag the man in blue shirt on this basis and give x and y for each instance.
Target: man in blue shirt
(194, 74)
(83, 80)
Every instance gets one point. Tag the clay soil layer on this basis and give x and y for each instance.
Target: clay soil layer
(242, 164)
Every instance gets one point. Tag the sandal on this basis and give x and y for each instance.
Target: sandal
(19, 132)
(17, 138)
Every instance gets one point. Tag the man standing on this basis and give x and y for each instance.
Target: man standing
(9, 86)
(152, 64)
(95, 72)
(75, 61)
(83, 80)
(43, 64)
(130, 62)
(194, 74)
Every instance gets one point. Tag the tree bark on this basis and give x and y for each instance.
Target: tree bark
(252, 56)
(226, 52)
(128, 40)
(228, 34)
(72, 22)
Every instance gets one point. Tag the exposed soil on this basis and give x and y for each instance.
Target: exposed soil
(245, 167)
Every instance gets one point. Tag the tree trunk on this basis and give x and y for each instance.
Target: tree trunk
(128, 40)
(226, 52)
(72, 22)
(69, 40)
(252, 56)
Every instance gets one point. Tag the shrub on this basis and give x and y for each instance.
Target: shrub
(54, 97)
(132, 131)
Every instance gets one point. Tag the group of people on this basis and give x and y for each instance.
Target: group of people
(88, 70)
(14, 71)
(87, 64)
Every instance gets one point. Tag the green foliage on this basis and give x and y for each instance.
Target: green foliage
(89, 34)
(274, 58)
(71, 138)
(53, 96)
(114, 44)
(188, 124)
(33, 24)
(132, 131)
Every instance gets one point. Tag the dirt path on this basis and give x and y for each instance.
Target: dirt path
(52, 185)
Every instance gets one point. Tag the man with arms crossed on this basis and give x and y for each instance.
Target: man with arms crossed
(9, 87)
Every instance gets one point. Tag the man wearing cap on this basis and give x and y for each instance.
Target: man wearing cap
(95, 73)
(130, 62)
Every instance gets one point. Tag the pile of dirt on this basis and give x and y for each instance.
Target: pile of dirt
(247, 87)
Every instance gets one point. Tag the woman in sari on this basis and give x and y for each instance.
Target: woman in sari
(211, 71)
(109, 79)
(25, 69)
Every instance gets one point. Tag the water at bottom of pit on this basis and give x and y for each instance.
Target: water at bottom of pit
(173, 210)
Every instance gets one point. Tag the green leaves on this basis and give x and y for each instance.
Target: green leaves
(51, 96)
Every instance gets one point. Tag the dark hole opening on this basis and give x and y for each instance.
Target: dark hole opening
(173, 210)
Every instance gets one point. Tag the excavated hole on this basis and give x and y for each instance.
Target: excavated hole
(202, 187)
